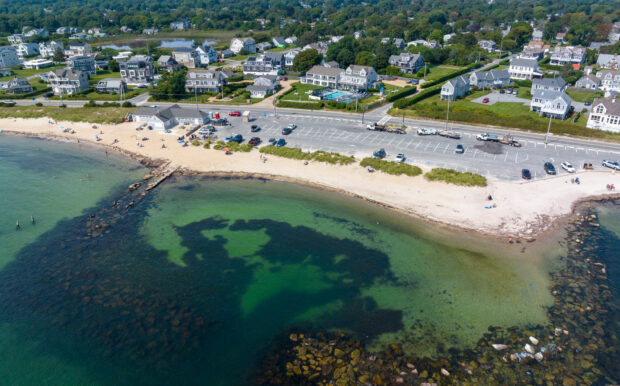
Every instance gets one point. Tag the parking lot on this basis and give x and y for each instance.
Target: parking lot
(349, 136)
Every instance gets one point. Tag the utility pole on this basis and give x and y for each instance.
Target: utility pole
(548, 130)
(196, 95)
(447, 113)
(275, 113)
(363, 111)
(356, 95)
(425, 69)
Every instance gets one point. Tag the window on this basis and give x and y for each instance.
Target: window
(599, 109)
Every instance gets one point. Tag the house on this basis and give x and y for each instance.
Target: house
(187, 56)
(487, 45)
(167, 117)
(37, 64)
(19, 86)
(122, 55)
(447, 37)
(278, 42)
(269, 63)
(4, 73)
(263, 86)
(15, 39)
(548, 84)
(78, 49)
(226, 53)
(560, 36)
(65, 81)
(608, 61)
(291, 40)
(322, 76)
(85, 64)
(263, 46)
(36, 32)
(335, 39)
(80, 36)
(610, 80)
(111, 86)
(125, 29)
(416, 43)
(180, 25)
(27, 49)
(204, 81)
(67, 30)
(432, 44)
(138, 70)
(101, 64)
(150, 31)
(243, 45)
(358, 78)
(589, 82)
(567, 55)
(614, 33)
(48, 49)
(330, 64)
(407, 62)
(490, 79)
(321, 47)
(399, 43)
(166, 63)
(454, 88)
(537, 35)
(555, 104)
(8, 57)
(358, 35)
(596, 46)
(521, 68)
(605, 114)
(289, 57)
(534, 50)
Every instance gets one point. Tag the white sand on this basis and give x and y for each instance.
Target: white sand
(524, 209)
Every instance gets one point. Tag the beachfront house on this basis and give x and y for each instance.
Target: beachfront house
(562, 55)
(85, 64)
(490, 79)
(608, 61)
(111, 86)
(65, 81)
(243, 45)
(610, 80)
(263, 86)
(550, 103)
(322, 76)
(139, 70)
(78, 49)
(407, 62)
(588, 81)
(187, 57)
(166, 63)
(521, 68)
(48, 49)
(358, 78)
(269, 63)
(605, 114)
(19, 85)
(205, 81)
(548, 84)
(454, 88)
(167, 117)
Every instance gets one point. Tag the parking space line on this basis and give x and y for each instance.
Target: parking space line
(435, 149)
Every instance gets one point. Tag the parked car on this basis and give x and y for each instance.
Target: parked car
(8, 102)
(379, 153)
(516, 92)
(254, 141)
(485, 100)
(459, 149)
(424, 131)
(568, 167)
(235, 113)
(235, 138)
(287, 131)
(525, 174)
(587, 103)
(400, 158)
(414, 81)
(549, 168)
(48, 95)
(254, 128)
(272, 141)
(284, 78)
(502, 91)
(292, 126)
(611, 164)
(281, 142)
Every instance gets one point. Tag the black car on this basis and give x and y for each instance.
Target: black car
(525, 174)
(287, 131)
(254, 128)
(281, 142)
(459, 149)
(549, 168)
(587, 103)
(237, 138)
(272, 141)
(254, 141)
(379, 153)
(502, 91)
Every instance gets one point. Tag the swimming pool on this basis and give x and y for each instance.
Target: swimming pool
(335, 95)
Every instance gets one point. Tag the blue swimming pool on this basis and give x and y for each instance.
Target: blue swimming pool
(335, 95)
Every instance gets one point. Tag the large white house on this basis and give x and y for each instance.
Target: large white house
(407, 62)
(490, 79)
(521, 68)
(269, 63)
(555, 104)
(322, 76)
(8, 57)
(167, 117)
(605, 114)
(243, 45)
(610, 80)
(65, 81)
(206, 54)
(27, 49)
(138, 70)
(548, 84)
(358, 78)
(49, 48)
(203, 81)
(608, 61)
(562, 55)
(454, 88)
(78, 49)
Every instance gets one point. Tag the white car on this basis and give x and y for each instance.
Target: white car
(611, 164)
(424, 131)
(400, 158)
(292, 126)
(568, 167)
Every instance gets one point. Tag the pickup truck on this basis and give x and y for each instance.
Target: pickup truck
(509, 140)
(449, 134)
(387, 129)
(487, 137)
(375, 127)
(423, 131)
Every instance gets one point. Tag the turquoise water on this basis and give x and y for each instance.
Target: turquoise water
(334, 95)
(195, 282)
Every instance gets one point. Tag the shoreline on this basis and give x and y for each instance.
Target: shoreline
(524, 210)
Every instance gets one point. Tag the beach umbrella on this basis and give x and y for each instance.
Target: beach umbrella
(95, 136)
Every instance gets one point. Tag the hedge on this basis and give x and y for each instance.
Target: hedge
(458, 178)
(402, 93)
(301, 105)
(402, 103)
(26, 95)
(390, 167)
(451, 75)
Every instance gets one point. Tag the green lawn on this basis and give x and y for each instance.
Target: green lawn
(435, 72)
(582, 96)
(102, 74)
(298, 92)
(370, 100)
(26, 72)
(93, 95)
(73, 114)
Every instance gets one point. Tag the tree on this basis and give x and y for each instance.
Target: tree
(59, 56)
(171, 85)
(307, 38)
(345, 58)
(113, 66)
(304, 60)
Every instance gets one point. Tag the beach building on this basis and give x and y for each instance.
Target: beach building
(166, 63)
(548, 84)
(407, 62)
(167, 117)
(322, 76)
(610, 80)
(37, 64)
(187, 56)
(521, 68)
(205, 81)
(490, 79)
(78, 49)
(551, 103)
(8, 57)
(65, 81)
(608, 61)
(48, 49)
(567, 55)
(269, 63)
(111, 86)
(605, 114)
(27, 49)
(588, 81)
(263, 86)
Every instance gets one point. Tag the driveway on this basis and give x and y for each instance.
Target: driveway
(495, 97)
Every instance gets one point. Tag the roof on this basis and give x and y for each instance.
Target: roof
(110, 82)
(324, 71)
(139, 58)
(67, 73)
(458, 79)
(164, 59)
(174, 111)
(591, 78)
(259, 88)
(550, 82)
(492, 74)
(356, 67)
(522, 62)
(612, 106)
(604, 59)
(550, 95)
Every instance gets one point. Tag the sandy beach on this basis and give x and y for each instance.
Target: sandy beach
(522, 209)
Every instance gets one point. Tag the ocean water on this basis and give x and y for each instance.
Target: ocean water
(196, 281)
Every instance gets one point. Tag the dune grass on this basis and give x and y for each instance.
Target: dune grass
(319, 156)
(390, 167)
(457, 178)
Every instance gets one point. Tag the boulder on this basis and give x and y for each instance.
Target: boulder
(499, 347)
(533, 340)
(445, 372)
(529, 349)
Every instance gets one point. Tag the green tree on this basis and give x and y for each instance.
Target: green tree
(345, 58)
(113, 66)
(171, 85)
(307, 38)
(306, 59)
(59, 56)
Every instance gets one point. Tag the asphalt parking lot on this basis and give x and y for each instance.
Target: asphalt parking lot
(350, 136)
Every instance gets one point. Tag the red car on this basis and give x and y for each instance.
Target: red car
(485, 100)
(284, 78)
(235, 113)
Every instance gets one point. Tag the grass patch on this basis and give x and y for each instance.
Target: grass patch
(93, 95)
(73, 114)
(390, 167)
(233, 146)
(457, 178)
(319, 156)
(437, 72)
(582, 96)
(298, 92)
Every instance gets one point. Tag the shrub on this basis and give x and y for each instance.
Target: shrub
(301, 105)
(457, 178)
(38, 104)
(127, 104)
(390, 167)
(233, 146)
(207, 145)
(319, 156)
(195, 143)
(401, 93)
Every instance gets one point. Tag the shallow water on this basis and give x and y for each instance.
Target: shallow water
(195, 282)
